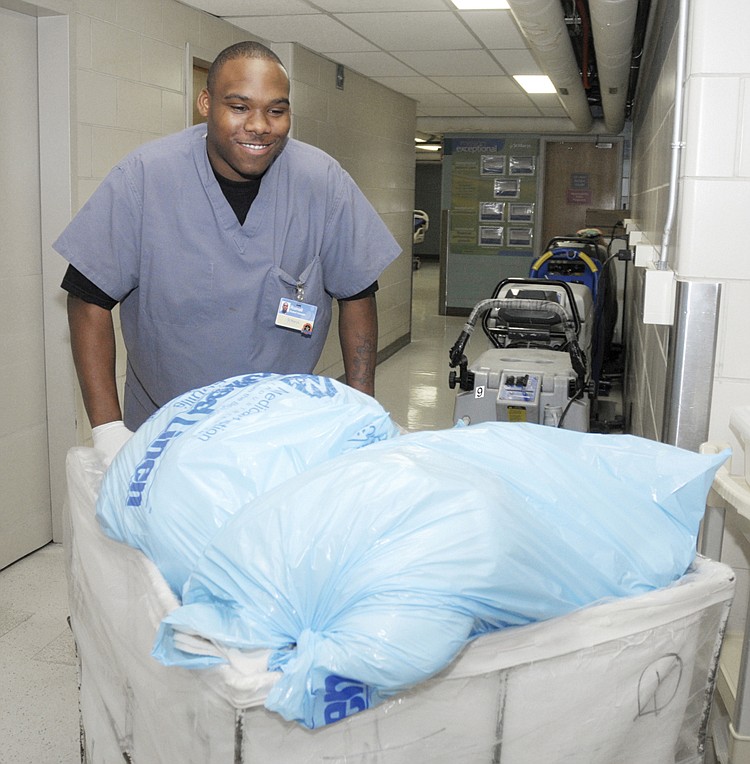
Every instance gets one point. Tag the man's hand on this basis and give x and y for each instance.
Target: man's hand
(109, 438)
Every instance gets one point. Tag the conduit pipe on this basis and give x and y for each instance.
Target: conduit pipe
(679, 99)
(542, 23)
(613, 27)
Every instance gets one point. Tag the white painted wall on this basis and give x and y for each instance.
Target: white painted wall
(716, 189)
(714, 199)
(714, 196)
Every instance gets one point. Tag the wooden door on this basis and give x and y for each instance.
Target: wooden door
(578, 175)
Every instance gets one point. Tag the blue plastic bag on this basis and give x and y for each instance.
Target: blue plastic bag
(369, 574)
(205, 454)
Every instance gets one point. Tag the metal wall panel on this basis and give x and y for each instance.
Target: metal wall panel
(690, 373)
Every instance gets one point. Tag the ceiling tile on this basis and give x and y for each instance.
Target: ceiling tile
(517, 61)
(496, 29)
(373, 64)
(433, 30)
(251, 7)
(510, 111)
(557, 111)
(412, 86)
(499, 84)
(448, 111)
(480, 100)
(317, 32)
(461, 62)
(441, 100)
(453, 63)
(344, 6)
(549, 104)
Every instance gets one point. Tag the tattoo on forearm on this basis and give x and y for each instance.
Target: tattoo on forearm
(363, 361)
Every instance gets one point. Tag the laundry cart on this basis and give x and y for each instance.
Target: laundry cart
(729, 500)
(624, 682)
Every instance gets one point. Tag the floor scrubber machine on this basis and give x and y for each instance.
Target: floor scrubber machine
(548, 335)
(583, 259)
(536, 370)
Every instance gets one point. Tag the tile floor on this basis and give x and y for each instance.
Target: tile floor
(38, 684)
(412, 385)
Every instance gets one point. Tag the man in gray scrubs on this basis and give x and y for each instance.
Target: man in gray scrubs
(224, 245)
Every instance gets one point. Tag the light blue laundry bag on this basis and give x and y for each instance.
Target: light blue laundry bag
(369, 574)
(208, 452)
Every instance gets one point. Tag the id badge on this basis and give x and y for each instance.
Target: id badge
(299, 316)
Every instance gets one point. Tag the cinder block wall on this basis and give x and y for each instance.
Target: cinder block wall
(129, 86)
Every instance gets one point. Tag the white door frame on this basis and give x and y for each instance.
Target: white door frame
(56, 206)
(55, 66)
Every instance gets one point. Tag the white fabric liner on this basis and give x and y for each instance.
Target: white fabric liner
(623, 682)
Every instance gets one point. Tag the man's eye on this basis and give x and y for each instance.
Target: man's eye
(277, 112)
(237, 107)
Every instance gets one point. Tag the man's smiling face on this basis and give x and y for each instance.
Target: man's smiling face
(248, 117)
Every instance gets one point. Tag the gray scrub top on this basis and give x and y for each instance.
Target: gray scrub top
(199, 292)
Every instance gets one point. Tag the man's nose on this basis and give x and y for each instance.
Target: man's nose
(256, 121)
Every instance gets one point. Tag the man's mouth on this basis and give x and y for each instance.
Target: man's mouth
(255, 146)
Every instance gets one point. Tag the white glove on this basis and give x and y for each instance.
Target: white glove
(109, 438)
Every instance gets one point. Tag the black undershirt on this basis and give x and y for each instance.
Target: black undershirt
(239, 193)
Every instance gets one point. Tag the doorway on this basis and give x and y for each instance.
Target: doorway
(578, 175)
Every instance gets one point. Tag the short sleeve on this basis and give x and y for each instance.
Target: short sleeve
(103, 241)
(357, 243)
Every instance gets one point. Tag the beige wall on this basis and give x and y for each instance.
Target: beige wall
(647, 344)
(129, 85)
(129, 80)
(370, 130)
(116, 75)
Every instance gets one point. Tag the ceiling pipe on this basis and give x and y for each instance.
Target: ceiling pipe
(662, 263)
(542, 23)
(555, 125)
(613, 28)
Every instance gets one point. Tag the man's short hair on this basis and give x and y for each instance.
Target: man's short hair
(245, 49)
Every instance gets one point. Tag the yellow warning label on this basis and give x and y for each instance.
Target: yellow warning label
(516, 413)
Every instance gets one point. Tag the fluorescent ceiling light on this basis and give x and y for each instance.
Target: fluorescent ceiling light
(535, 83)
(427, 147)
(481, 5)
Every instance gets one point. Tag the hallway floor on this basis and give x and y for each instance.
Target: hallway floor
(412, 385)
(38, 688)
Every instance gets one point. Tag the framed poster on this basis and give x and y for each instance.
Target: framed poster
(491, 211)
(520, 236)
(493, 164)
(491, 236)
(520, 212)
(510, 188)
(522, 165)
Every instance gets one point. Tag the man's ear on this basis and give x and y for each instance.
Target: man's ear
(203, 102)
